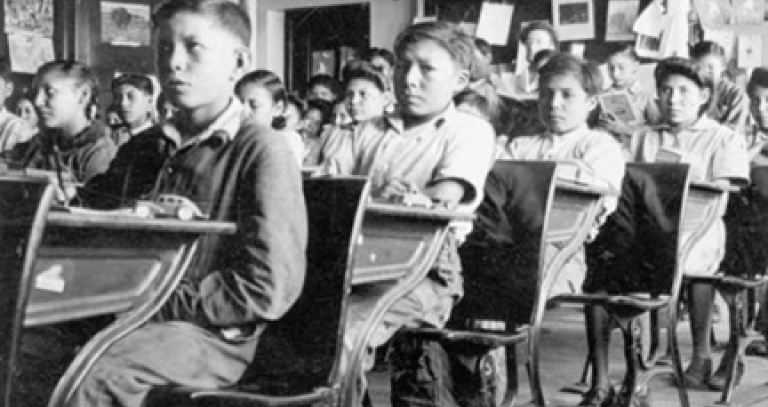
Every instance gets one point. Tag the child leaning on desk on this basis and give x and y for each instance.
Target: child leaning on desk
(715, 154)
(568, 88)
(428, 149)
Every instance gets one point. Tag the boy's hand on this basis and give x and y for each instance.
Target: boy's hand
(395, 188)
(614, 125)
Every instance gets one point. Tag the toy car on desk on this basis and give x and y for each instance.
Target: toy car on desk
(169, 206)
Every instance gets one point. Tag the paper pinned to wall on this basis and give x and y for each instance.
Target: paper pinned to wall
(620, 19)
(29, 51)
(748, 12)
(494, 23)
(651, 21)
(30, 16)
(750, 51)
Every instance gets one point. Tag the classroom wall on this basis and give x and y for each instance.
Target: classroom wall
(388, 18)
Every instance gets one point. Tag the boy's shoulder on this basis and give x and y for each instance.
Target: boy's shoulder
(257, 137)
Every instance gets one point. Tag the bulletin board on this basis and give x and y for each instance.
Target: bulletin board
(527, 10)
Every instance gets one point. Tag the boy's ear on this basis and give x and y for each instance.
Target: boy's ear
(592, 102)
(8, 87)
(462, 80)
(242, 63)
(706, 94)
(84, 94)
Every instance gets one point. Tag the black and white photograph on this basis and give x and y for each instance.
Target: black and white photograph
(383, 203)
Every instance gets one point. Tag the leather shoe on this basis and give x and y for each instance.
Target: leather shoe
(717, 381)
(599, 397)
(698, 374)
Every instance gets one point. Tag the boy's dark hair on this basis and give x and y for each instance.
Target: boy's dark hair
(366, 71)
(323, 80)
(5, 70)
(625, 49)
(484, 47)
(138, 81)
(704, 48)
(539, 26)
(382, 53)
(229, 15)
(688, 69)
(759, 79)
(79, 71)
(449, 36)
(265, 79)
(323, 106)
(542, 57)
(297, 102)
(585, 72)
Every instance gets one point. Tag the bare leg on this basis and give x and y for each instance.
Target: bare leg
(701, 298)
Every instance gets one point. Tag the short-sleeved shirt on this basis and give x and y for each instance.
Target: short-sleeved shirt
(13, 130)
(713, 152)
(731, 107)
(601, 160)
(452, 146)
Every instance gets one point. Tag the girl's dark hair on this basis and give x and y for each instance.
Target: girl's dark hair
(382, 53)
(688, 69)
(138, 81)
(542, 57)
(265, 79)
(323, 106)
(84, 76)
(540, 26)
(323, 80)
(704, 48)
(759, 79)
(585, 72)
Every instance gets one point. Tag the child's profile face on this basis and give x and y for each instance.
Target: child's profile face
(26, 110)
(260, 103)
(758, 104)
(198, 63)
(564, 104)
(714, 65)
(681, 100)
(292, 116)
(312, 122)
(59, 99)
(426, 78)
(133, 105)
(538, 40)
(622, 69)
(364, 100)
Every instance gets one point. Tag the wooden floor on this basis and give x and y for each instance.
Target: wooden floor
(563, 352)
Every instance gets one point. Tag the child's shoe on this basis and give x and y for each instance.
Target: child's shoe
(698, 374)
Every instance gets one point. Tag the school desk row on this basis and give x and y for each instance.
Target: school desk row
(68, 265)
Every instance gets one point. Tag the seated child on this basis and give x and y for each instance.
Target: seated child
(13, 129)
(317, 118)
(427, 148)
(263, 94)
(716, 154)
(133, 100)
(235, 171)
(535, 37)
(367, 95)
(729, 106)
(382, 59)
(568, 88)
(622, 69)
(71, 140)
(25, 109)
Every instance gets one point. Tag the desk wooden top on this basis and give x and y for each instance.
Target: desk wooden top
(114, 220)
(570, 185)
(712, 187)
(403, 211)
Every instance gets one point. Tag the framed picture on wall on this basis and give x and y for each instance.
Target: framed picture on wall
(574, 19)
(426, 10)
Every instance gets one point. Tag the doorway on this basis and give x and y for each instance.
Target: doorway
(322, 39)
